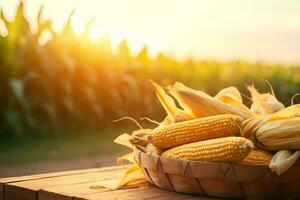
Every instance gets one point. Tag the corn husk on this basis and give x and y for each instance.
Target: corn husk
(251, 125)
(140, 137)
(133, 175)
(286, 113)
(280, 134)
(124, 140)
(278, 131)
(283, 160)
(126, 158)
(264, 103)
(175, 114)
(230, 95)
(200, 104)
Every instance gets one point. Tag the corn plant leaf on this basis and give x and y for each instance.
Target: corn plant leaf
(14, 121)
(17, 87)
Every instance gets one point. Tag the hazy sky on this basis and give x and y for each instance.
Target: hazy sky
(223, 29)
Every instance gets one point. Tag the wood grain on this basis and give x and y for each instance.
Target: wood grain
(31, 187)
(4, 181)
(76, 185)
(150, 192)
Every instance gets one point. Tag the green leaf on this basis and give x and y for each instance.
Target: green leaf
(17, 87)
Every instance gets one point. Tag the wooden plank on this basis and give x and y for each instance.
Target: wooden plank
(150, 192)
(4, 181)
(55, 174)
(54, 196)
(13, 193)
(30, 185)
(78, 191)
(75, 190)
(71, 190)
(38, 176)
(64, 186)
(33, 186)
(68, 180)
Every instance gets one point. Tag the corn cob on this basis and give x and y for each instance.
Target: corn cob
(258, 157)
(227, 149)
(195, 130)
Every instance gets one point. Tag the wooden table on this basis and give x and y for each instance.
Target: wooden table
(75, 185)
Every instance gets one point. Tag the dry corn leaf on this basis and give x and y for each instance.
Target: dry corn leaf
(283, 160)
(279, 134)
(251, 125)
(278, 131)
(168, 103)
(165, 122)
(140, 137)
(231, 95)
(130, 176)
(286, 113)
(124, 140)
(264, 103)
(127, 157)
(201, 104)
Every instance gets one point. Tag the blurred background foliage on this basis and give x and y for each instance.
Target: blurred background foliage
(71, 82)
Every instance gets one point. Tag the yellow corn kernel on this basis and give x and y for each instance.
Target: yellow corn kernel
(205, 128)
(227, 149)
(257, 157)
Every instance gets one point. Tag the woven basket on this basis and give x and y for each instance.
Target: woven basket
(220, 179)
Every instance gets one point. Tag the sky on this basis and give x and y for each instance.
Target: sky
(252, 30)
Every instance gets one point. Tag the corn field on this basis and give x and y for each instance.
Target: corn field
(71, 82)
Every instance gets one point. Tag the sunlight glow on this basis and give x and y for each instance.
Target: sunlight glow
(251, 29)
(96, 32)
(78, 26)
(3, 30)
